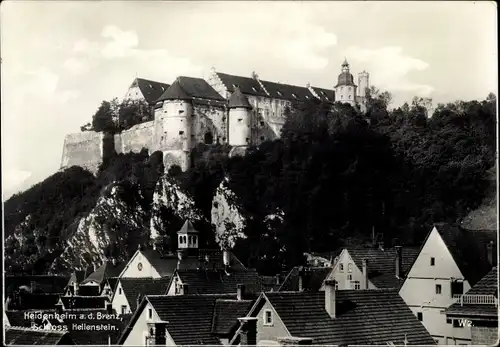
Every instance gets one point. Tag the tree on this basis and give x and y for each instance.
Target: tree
(105, 116)
(130, 114)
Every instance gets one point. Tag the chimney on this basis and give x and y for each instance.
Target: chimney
(184, 289)
(490, 253)
(277, 277)
(226, 257)
(399, 261)
(240, 291)
(138, 300)
(381, 245)
(248, 331)
(113, 261)
(75, 288)
(330, 297)
(294, 341)
(301, 279)
(365, 274)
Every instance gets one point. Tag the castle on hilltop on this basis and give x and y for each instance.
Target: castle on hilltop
(225, 109)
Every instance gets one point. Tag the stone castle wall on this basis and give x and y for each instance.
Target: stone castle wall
(135, 139)
(83, 149)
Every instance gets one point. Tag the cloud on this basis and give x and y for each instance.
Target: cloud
(13, 178)
(76, 66)
(122, 42)
(390, 68)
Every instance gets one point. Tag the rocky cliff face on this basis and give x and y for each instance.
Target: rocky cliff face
(103, 232)
(170, 200)
(227, 217)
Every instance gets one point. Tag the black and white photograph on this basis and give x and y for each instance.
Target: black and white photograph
(249, 173)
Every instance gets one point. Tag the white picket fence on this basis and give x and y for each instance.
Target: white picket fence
(476, 299)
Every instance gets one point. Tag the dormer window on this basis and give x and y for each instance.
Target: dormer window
(255, 90)
(235, 86)
(163, 88)
(150, 86)
(279, 93)
(295, 96)
(307, 96)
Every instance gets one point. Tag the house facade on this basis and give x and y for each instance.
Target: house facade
(448, 263)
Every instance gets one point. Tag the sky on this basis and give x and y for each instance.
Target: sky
(61, 59)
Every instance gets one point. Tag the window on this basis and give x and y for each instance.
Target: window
(357, 285)
(420, 316)
(124, 309)
(341, 268)
(190, 239)
(295, 96)
(279, 93)
(268, 317)
(349, 267)
(349, 277)
(194, 239)
(336, 285)
(262, 138)
(349, 96)
(255, 90)
(150, 313)
(247, 140)
(438, 289)
(181, 132)
(433, 261)
(209, 138)
(120, 291)
(261, 123)
(457, 288)
(240, 119)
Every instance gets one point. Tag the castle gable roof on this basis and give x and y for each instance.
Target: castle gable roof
(287, 91)
(175, 92)
(325, 94)
(247, 85)
(151, 90)
(238, 100)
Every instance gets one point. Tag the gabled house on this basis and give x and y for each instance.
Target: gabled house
(478, 308)
(302, 278)
(130, 292)
(94, 283)
(186, 320)
(372, 267)
(145, 90)
(152, 263)
(27, 336)
(336, 317)
(208, 281)
(451, 260)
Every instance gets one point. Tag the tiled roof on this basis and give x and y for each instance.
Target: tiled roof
(488, 285)
(345, 79)
(325, 94)
(132, 287)
(26, 336)
(363, 317)
(89, 290)
(247, 85)
(469, 249)
(218, 282)
(312, 280)
(272, 283)
(18, 319)
(287, 91)
(112, 282)
(94, 336)
(106, 270)
(226, 314)
(83, 302)
(188, 228)
(167, 264)
(190, 317)
(151, 90)
(238, 100)
(382, 264)
(187, 88)
(28, 301)
(48, 284)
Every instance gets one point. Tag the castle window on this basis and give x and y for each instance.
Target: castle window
(181, 111)
(209, 139)
(181, 132)
(349, 96)
(261, 123)
(240, 119)
(262, 138)
(224, 139)
(247, 140)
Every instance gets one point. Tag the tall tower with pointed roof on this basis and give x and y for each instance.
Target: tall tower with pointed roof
(239, 120)
(173, 126)
(345, 90)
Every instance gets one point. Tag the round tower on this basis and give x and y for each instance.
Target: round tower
(363, 83)
(345, 90)
(173, 126)
(239, 120)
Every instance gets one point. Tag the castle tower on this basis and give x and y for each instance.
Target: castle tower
(363, 83)
(187, 240)
(345, 90)
(239, 120)
(173, 126)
